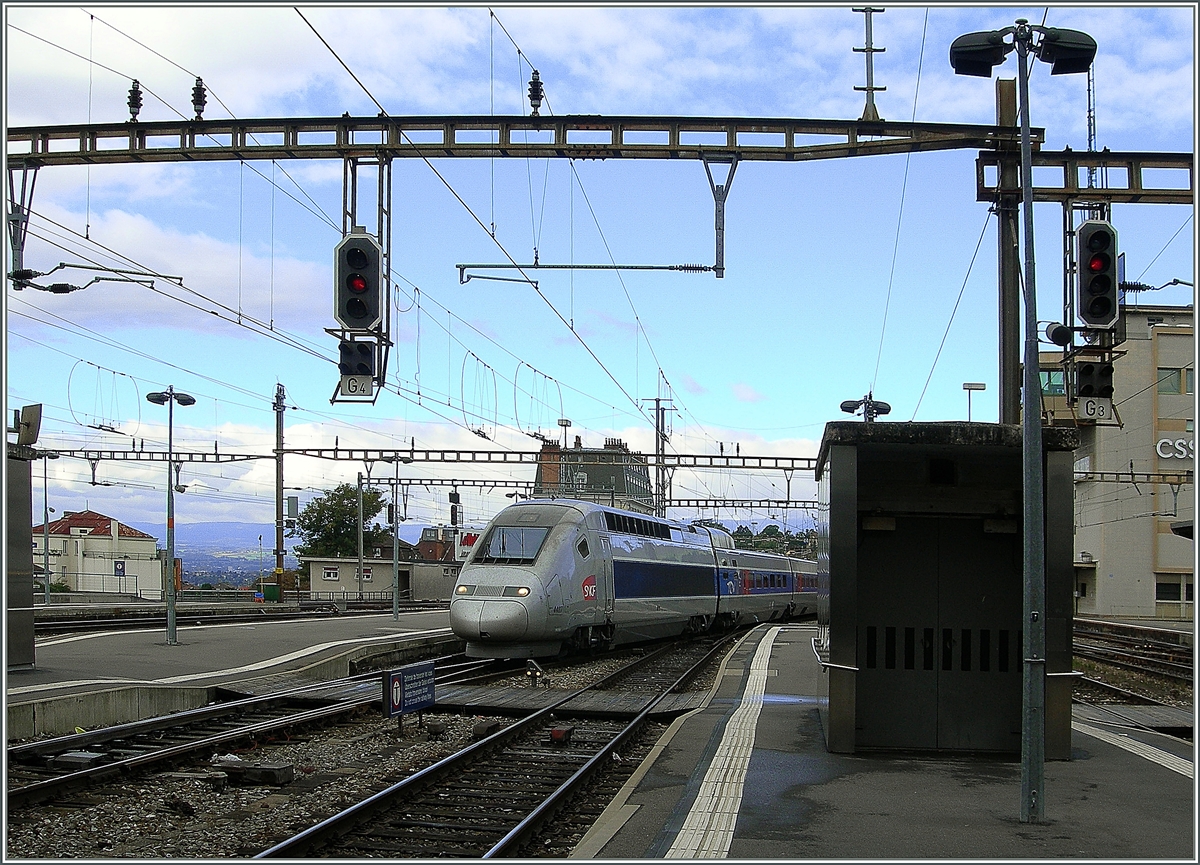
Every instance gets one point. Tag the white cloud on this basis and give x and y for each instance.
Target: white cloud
(692, 386)
(216, 272)
(743, 392)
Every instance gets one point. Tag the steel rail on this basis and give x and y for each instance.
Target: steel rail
(358, 814)
(1137, 663)
(40, 791)
(520, 834)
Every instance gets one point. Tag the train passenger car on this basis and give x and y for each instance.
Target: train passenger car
(763, 587)
(548, 575)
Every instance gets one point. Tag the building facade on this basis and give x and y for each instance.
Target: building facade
(612, 475)
(1132, 480)
(92, 552)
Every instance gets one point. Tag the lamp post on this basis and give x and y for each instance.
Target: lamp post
(871, 407)
(46, 457)
(169, 397)
(1067, 51)
(969, 386)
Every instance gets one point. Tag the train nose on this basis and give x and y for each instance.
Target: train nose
(491, 619)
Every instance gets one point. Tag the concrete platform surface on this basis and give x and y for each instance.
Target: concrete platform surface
(112, 677)
(748, 777)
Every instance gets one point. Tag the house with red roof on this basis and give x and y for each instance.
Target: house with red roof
(92, 552)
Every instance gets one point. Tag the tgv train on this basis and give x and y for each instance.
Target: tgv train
(549, 576)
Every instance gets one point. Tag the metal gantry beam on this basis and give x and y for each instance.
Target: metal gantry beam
(1176, 478)
(161, 456)
(434, 137)
(1070, 162)
(698, 461)
(762, 504)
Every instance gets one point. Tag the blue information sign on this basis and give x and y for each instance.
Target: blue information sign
(408, 689)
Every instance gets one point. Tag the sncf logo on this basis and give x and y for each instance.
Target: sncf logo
(589, 588)
(469, 539)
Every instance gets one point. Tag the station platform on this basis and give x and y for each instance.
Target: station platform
(112, 677)
(747, 776)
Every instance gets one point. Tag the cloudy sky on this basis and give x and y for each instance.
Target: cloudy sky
(758, 361)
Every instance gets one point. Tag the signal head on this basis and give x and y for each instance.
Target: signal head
(358, 282)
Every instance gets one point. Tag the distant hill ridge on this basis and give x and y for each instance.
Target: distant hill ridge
(237, 537)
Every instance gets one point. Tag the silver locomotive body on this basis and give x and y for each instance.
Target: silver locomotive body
(549, 574)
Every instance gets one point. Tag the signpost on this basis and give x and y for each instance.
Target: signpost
(408, 689)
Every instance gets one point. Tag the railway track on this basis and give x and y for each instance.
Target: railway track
(42, 770)
(490, 799)
(1150, 651)
(1138, 660)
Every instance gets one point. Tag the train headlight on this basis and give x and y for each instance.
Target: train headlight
(516, 591)
(464, 590)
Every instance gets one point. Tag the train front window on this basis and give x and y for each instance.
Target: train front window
(510, 545)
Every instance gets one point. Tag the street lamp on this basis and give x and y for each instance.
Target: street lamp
(1067, 51)
(169, 397)
(969, 386)
(46, 457)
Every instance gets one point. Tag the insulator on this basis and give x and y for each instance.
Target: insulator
(135, 101)
(536, 93)
(199, 99)
(691, 268)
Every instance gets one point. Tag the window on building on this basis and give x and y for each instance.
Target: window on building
(366, 574)
(1170, 380)
(1188, 593)
(329, 573)
(1189, 380)
(1052, 382)
(1083, 590)
(1167, 591)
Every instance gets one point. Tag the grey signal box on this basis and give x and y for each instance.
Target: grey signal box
(920, 586)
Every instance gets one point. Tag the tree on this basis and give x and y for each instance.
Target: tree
(328, 525)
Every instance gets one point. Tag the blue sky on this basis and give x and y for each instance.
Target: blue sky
(759, 360)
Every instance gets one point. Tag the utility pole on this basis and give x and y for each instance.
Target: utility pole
(360, 536)
(660, 448)
(396, 545)
(279, 410)
(870, 112)
(1008, 260)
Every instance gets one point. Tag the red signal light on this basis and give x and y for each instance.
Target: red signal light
(1098, 262)
(357, 283)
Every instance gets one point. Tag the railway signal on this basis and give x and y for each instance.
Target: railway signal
(356, 358)
(1094, 378)
(358, 281)
(1097, 283)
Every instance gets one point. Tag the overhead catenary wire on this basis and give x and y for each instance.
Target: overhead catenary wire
(577, 179)
(317, 212)
(953, 312)
(475, 216)
(900, 215)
